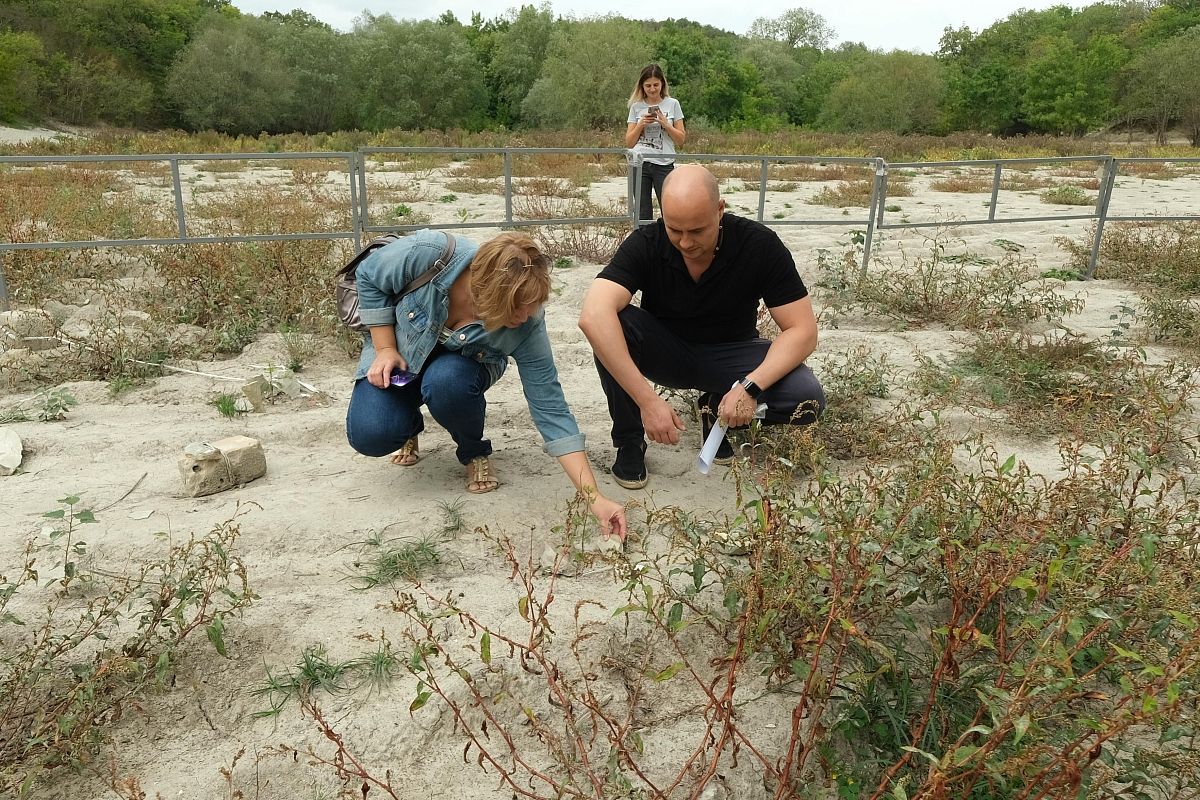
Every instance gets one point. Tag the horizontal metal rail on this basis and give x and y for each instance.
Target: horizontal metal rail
(1108, 168)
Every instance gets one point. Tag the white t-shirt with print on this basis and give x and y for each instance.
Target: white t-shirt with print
(654, 143)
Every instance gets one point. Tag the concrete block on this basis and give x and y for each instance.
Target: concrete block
(11, 451)
(210, 467)
(28, 330)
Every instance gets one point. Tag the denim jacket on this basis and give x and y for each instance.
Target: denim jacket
(419, 316)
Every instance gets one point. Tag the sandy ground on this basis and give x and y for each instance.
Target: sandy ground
(26, 135)
(304, 522)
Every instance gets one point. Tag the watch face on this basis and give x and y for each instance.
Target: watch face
(751, 387)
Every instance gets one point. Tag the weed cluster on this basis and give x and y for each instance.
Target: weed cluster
(941, 288)
(948, 626)
(80, 644)
(1062, 382)
(586, 242)
(1173, 320)
(1165, 255)
(857, 193)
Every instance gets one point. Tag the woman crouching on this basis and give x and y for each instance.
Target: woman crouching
(444, 344)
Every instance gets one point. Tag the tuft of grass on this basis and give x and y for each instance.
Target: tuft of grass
(856, 193)
(407, 560)
(1068, 196)
(962, 183)
(226, 405)
(452, 517)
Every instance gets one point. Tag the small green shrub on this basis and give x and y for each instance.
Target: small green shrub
(1067, 196)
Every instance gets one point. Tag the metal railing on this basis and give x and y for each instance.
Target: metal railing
(1108, 168)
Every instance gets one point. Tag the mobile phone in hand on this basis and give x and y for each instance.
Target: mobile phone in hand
(401, 377)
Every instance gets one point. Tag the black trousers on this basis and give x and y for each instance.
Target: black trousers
(653, 176)
(796, 399)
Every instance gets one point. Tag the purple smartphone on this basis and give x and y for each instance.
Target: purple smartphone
(401, 377)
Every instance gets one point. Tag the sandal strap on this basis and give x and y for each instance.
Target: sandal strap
(481, 468)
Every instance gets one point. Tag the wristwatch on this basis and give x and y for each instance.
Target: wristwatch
(752, 388)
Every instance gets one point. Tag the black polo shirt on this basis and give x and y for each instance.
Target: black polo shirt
(751, 264)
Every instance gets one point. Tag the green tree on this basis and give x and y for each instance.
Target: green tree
(1071, 88)
(143, 35)
(316, 59)
(416, 75)
(518, 52)
(682, 47)
(1162, 86)
(820, 72)
(797, 27)
(589, 70)
(782, 69)
(1166, 20)
(20, 75)
(231, 80)
(734, 96)
(89, 90)
(898, 91)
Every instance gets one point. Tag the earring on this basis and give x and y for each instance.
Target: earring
(720, 236)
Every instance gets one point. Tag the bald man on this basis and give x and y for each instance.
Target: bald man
(702, 273)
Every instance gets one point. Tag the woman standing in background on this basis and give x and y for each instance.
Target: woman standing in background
(655, 127)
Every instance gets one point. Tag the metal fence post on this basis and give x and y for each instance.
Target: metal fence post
(507, 185)
(4, 306)
(351, 169)
(180, 217)
(1106, 186)
(762, 190)
(878, 193)
(635, 189)
(364, 204)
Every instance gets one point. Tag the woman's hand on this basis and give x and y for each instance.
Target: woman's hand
(386, 362)
(611, 516)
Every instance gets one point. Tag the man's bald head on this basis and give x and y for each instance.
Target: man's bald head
(691, 213)
(692, 185)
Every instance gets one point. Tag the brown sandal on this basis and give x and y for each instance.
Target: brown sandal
(480, 479)
(408, 454)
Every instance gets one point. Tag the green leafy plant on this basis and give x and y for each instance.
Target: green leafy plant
(300, 347)
(55, 404)
(63, 536)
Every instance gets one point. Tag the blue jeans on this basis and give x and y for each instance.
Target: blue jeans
(380, 421)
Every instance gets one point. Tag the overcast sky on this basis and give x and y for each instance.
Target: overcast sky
(880, 24)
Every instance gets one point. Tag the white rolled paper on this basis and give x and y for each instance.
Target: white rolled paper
(708, 451)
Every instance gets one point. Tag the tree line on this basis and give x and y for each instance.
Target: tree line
(202, 64)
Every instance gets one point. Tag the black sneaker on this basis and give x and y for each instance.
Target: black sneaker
(706, 410)
(629, 470)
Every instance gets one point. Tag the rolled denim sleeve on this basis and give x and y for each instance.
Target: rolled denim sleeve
(543, 393)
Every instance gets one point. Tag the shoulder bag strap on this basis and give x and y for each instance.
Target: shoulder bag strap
(431, 273)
